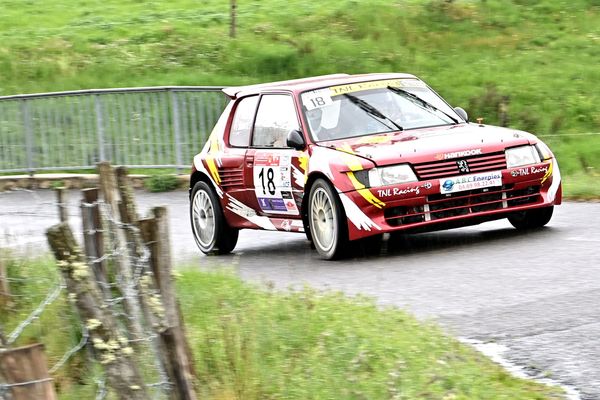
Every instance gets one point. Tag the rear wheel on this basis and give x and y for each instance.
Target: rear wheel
(327, 221)
(211, 231)
(531, 219)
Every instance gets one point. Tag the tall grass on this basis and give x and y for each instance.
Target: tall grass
(252, 343)
(257, 343)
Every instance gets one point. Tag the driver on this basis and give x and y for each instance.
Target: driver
(314, 121)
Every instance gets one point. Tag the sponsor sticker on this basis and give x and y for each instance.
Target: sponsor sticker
(470, 182)
(272, 183)
(316, 99)
(526, 171)
(457, 154)
(406, 191)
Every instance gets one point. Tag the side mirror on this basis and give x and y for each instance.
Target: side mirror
(296, 140)
(461, 113)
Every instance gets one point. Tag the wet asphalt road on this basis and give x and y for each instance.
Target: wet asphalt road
(537, 293)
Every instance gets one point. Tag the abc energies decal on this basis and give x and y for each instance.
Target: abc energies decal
(470, 182)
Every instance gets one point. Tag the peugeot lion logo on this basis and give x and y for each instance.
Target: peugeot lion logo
(463, 166)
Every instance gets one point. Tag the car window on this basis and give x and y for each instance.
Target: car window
(275, 118)
(373, 107)
(242, 122)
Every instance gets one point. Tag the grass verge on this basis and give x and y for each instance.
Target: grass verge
(257, 343)
(581, 187)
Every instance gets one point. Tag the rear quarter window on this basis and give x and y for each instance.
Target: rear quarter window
(241, 126)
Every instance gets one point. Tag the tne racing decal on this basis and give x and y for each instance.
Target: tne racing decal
(272, 174)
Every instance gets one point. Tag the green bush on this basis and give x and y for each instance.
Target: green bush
(162, 183)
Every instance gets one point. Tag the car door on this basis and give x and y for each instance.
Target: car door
(231, 162)
(276, 179)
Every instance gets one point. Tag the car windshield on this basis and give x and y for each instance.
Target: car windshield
(373, 107)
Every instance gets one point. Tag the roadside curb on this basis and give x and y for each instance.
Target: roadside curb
(70, 181)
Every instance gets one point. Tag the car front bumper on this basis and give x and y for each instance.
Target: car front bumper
(427, 205)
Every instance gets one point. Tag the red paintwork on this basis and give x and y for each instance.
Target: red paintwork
(326, 159)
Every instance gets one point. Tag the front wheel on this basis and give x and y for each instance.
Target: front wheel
(211, 231)
(531, 219)
(327, 221)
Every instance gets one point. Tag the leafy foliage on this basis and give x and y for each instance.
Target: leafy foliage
(162, 183)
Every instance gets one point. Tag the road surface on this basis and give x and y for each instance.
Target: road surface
(536, 293)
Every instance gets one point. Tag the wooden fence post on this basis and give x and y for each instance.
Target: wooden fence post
(180, 367)
(5, 299)
(26, 372)
(111, 350)
(131, 303)
(93, 236)
(62, 205)
(3, 341)
(232, 18)
(147, 288)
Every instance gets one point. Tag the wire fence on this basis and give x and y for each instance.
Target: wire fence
(36, 293)
(154, 127)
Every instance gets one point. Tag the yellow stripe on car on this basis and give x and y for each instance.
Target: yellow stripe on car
(548, 173)
(364, 192)
(353, 162)
(210, 160)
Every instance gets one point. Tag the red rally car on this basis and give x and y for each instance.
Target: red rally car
(350, 157)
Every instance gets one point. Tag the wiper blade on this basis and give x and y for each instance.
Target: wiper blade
(373, 111)
(416, 98)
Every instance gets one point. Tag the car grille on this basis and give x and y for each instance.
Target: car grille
(231, 178)
(443, 169)
(442, 206)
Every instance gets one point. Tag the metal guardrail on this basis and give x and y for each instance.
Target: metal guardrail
(150, 127)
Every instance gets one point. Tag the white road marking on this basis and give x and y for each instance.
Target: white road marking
(583, 239)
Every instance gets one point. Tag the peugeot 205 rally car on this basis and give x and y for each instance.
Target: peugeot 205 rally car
(350, 157)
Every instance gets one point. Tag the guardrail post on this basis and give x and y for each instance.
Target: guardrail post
(28, 135)
(99, 126)
(176, 128)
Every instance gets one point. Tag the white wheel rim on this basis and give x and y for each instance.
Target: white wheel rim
(203, 214)
(322, 220)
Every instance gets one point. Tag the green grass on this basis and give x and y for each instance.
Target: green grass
(258, 343)
(582, 187)
(541, 54)
(539, 57)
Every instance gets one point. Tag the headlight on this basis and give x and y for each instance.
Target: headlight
(393, 175)
(522, 155)
(544, 151)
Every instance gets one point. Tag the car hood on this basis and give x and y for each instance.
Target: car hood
(432, 144)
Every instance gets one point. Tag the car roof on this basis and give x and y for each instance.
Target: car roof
(315, 82)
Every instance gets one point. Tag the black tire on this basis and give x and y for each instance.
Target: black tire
(212, 233)
(327, 221)
(531, 219)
